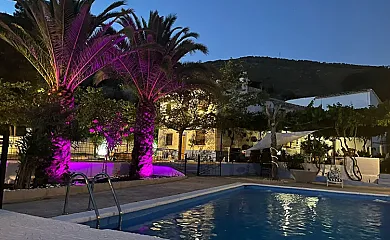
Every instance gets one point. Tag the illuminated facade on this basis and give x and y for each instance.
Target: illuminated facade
(207, 142)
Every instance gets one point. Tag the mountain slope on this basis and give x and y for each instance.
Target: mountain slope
(286, 79)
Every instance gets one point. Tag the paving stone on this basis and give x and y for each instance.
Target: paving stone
(78, 203)
(18, 226)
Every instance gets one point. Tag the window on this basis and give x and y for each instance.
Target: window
(200, 137)
(168, 139)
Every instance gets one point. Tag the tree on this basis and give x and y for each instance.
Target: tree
(17, 99)
(232, 110)
(346, 123)
(36, 148)
(99, 119)
(316, 148)
(187, 110)
(152, 65)
(93, 104)
(66, 45)
(113, 130)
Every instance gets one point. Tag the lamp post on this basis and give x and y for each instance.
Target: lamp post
(3, 165)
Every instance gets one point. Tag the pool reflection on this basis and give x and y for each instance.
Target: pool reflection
(256, 214)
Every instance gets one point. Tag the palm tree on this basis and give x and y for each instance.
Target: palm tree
(66, 44)
(155, 71)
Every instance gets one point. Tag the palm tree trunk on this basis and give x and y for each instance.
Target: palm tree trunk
(61, 158)
(142, 155)
(62, 146)
(180, 144)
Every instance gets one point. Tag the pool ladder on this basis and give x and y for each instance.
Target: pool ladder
(90, 187)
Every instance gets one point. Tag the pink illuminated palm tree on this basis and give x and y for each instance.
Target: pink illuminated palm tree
(155, 70)
(67, 45)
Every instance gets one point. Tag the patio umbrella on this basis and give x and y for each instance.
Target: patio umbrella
(281, 139)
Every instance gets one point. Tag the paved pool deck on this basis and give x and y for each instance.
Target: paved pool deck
(18, 226)
(53, 207)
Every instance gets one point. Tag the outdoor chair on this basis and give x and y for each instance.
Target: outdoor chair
(334, 176)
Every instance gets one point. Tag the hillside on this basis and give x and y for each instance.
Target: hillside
(286, 79)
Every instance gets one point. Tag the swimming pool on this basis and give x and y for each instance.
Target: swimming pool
(258, 212)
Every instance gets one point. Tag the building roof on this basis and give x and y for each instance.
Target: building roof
(336, 95)
(348, 93)
(345, 98)
(287, 105)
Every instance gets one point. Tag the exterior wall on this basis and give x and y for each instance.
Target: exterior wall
(212, 141)
(189, 135)
(91, 168)
(301, 101)
(294, 147)
(374, 99)
(162, 132)
(369, 168)
(357, 100)
(189, 145)
(12, 147)
(358, 144)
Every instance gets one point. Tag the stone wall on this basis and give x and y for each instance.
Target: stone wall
(369, 167)
(91, 168)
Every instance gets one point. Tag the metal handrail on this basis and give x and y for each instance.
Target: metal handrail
(272, 161)
(105, 175)
(272, 148)
(91, 198)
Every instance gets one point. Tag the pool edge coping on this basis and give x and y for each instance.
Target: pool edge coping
(87, 216)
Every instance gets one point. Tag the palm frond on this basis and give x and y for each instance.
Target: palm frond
(94, 58)
(109, 9)
(189, 47)
(32, 50)
(64, 44)
(76, 37)
(154, 67)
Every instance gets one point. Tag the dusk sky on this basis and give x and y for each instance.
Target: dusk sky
(347, 31)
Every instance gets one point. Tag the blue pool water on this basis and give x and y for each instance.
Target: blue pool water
(267, 213)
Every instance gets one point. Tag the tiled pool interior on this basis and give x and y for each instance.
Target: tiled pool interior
(254, 212)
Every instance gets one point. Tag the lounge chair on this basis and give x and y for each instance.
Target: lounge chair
(334, 176)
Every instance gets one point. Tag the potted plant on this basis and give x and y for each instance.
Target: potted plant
(317, 150)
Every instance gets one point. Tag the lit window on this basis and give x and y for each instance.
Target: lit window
(200, 137)
(168, 139)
